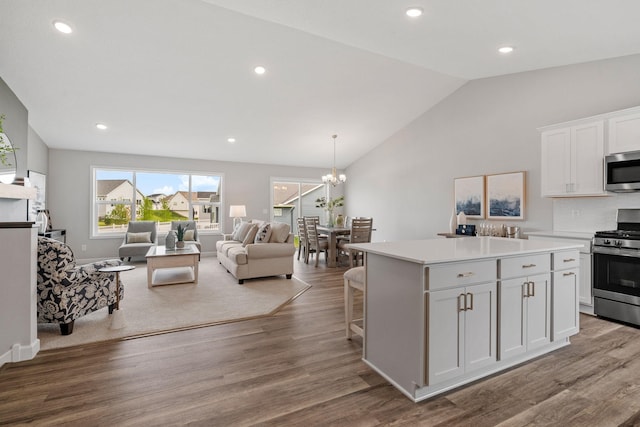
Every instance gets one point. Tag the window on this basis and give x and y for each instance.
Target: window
(293, 199)
(121, 196)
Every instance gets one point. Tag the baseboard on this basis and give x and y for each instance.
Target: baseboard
(18, 352)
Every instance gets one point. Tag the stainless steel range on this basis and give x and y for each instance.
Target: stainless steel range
(616, 269)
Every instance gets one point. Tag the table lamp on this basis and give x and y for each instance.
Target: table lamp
(237, 212)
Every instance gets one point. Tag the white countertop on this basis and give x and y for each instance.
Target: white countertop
(434, 251)
(563, 234)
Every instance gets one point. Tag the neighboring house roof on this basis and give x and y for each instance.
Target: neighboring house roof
(290, 194)
(106, 186)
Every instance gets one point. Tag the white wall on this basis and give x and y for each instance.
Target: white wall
(488, 126)
(69, 191)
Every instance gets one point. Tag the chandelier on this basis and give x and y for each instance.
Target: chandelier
(333, 178)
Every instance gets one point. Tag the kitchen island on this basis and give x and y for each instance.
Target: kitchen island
(444, 312)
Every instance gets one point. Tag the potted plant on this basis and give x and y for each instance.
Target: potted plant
(180, 235)
(329, 205)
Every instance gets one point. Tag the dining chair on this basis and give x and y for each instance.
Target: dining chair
(302, 239)
(361, 228)
(315, 243)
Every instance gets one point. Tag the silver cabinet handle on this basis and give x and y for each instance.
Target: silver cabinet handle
(528, 265)
(462, 305)
(467, 274)
(569, 260)
(470, 307)
(569, 274)
(532, 291)
(525, 290)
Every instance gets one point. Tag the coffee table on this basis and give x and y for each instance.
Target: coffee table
(159, 257)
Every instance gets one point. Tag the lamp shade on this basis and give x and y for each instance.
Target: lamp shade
(237, 211)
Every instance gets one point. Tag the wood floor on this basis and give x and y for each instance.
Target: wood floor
(296, 368)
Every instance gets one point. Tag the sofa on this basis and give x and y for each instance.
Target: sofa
(257, 249)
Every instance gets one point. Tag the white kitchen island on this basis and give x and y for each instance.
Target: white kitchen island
(442, 313)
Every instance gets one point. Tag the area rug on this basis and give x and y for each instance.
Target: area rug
(216, 298)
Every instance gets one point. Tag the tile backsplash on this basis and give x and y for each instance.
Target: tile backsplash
(589, 214)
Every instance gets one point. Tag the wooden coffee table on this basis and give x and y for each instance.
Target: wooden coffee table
(159, 257)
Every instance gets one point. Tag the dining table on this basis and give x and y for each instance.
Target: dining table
(332, 234)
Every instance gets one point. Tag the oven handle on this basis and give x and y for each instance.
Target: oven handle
(616, 251)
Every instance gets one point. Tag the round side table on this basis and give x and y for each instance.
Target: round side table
(117, 322)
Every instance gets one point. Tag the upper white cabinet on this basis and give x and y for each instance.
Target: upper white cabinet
(624, 131)
(572, 160)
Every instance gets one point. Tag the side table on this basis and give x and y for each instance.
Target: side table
(118, 318)
(59, 234)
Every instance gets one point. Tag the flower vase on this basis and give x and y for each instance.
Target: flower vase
(330, 221)
(180, 244)
(170, 241)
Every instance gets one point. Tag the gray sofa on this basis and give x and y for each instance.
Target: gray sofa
(140, 236)
(247, 254)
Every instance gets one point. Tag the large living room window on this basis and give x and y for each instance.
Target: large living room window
(121, 196)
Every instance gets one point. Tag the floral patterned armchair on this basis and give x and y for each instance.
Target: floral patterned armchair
(67, 291)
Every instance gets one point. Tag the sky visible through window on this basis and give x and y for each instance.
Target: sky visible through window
(163, 183)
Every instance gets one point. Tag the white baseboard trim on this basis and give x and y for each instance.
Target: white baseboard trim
(18, 352)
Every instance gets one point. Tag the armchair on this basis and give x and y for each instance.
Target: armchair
(140, 236)
(191, 225)
(67, 291)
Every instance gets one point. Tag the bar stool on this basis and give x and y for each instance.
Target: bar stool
(353, 279)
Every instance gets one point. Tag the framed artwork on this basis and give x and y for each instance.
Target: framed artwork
(469, 196)
(505, 195)
(39, 182)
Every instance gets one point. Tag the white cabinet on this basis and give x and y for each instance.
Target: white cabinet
(566, 313)
(572, 160)
(525, 310)
(462, 331)
(624, 132)
(584, 277)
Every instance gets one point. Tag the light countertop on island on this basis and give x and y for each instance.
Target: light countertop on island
(579, 235)
(432, 251)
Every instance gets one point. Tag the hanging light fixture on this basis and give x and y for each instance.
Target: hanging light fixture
(333, 178)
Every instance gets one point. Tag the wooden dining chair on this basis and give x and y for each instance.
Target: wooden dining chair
(315, 243)
(361, 229)
(302, 239)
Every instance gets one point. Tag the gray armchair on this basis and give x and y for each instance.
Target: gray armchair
(191, 225)
(140, 236)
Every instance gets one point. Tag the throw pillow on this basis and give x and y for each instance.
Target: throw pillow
(279, 232)
(189, 235)
(263, 234)
(242, 231)
(143, 237)
(251, 235)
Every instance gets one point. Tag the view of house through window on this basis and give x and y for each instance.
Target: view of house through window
(295, 199)
(121, 196)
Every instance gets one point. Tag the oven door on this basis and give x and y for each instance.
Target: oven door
(617, 270)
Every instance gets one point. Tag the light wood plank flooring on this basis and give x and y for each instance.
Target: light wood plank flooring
(296, 368)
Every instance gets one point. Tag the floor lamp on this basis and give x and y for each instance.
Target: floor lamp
(237, 212)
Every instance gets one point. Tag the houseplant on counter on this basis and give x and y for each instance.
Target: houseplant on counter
(329, 205)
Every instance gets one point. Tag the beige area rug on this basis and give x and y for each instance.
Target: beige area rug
(216, 299)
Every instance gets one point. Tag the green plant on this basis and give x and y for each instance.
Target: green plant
(180, 232)
(330, 204)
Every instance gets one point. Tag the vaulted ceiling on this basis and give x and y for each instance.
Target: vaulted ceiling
(175, 77)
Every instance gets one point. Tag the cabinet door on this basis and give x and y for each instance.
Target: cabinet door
(624, 133)
(556, 158)
(565, 319)
(584, 280)
(480, 327)
(512, 318)
(538, 307)
(446, 333)
(587, 154)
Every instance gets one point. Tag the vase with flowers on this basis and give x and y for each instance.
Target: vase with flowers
(329, 205)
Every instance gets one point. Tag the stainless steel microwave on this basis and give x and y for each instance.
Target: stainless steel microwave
(622, 172)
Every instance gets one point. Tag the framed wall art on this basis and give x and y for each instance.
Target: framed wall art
(39, 182)
(469, 196)
(506, 196)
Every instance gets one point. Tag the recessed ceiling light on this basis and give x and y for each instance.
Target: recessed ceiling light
(101, 126)
(231, 140)
(62, 27)
(414, 12)
(260, 69)
(505, 49)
